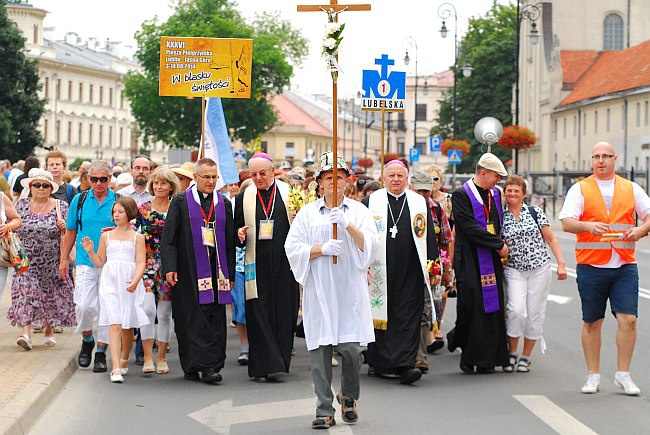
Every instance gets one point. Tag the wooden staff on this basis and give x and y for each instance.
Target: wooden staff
(336, 8)
(202, 145)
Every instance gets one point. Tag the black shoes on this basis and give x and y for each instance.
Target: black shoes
(437, 344)
(191, 376)
(86, 353)
(409, 376)
(139, 360)
(100, 362)
(210, 376)
(466, 368)
(243, 359)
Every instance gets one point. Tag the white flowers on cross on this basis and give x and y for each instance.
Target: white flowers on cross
(331, 41)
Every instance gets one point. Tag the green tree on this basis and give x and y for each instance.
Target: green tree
(20, 106)
(277, 48)
(489, 45)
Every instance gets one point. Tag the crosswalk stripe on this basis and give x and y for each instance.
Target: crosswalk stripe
(557, 418)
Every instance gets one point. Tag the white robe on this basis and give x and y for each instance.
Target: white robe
(335, 303)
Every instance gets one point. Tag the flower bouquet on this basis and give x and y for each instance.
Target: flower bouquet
(298, 199)
(331, 42)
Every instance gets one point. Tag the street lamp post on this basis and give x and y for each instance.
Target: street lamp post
(445, 11)
(412, 43)
(530, 13)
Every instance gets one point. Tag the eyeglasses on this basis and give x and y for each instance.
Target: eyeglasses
(603, 156)
(208, 177)
(435, 178)
(39, 185)
(260, 173)
(100, 179)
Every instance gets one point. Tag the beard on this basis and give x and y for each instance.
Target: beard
(140, 181)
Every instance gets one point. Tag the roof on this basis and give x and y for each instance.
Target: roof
(88, 58)
(290, 114)
(574, 64)
(611, 72)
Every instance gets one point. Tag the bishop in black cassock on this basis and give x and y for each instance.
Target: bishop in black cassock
(200, 327)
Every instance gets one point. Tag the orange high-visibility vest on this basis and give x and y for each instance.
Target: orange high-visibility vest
(589, 248)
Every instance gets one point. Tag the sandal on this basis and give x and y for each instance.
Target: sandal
(50, 342)
(123, 370)
(116, 376)
(523, 366)
(162, 368)
(24, 341)
(148, 367)
(512, 361)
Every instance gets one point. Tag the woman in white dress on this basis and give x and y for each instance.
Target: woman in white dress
(121, 255)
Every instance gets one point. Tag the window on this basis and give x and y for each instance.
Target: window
(110, 136)
(57, 133)
(81, 92)
(110, 97)
(608, 119)
(421, 112)
(69, 141)
(575, 125)
(421, 143)
(289, 150)
(80, 132)
(613, 32)
(90, 135)
(46, 136)
(101, 95)
(584, 124)
(69, 90)
(58, 89)
(596, 121)
(638, 114)
(645, 121)
(90, 94)
(265, 146)
(400, 144)
(401, 122)
(564, 129)
(121, 137)
(36, 34)
(47, 87)
(555, 130)
(101, 135)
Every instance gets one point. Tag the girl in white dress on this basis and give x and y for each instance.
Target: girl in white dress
(121, 255)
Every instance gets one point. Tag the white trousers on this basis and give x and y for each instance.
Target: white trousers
(86, 300)
(164, 314)
(527, 294)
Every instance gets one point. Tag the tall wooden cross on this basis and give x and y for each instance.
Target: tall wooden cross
(336, 8)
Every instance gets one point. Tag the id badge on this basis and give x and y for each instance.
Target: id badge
(266, 230)
(207, 234)
(490, 228)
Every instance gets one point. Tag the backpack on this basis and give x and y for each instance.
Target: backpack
(533, 213)
(82, 198)
(69, 189)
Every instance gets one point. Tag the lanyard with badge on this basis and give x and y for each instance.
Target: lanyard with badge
(489, 225)
(266, 226)
(207, 231)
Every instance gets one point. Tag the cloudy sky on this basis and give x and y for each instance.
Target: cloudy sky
(367, 34)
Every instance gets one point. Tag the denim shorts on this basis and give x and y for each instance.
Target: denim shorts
(597, 284)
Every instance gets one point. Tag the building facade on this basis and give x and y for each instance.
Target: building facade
(86, 114)
(586, 81)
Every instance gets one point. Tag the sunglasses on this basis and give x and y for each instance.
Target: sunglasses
(39, 185)
(100, 179)
(435, 178)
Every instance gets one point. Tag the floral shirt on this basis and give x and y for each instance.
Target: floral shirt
(526, 246)
(151, 224)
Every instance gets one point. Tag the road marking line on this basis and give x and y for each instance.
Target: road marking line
(643, 292)
(559, 299)
(557, 418)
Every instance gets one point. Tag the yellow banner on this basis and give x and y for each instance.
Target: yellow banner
(205, 67)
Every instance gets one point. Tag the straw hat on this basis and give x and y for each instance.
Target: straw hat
(187, 169)
(42, 176)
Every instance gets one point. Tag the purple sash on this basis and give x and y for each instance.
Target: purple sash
(485, 261)
(202, 259)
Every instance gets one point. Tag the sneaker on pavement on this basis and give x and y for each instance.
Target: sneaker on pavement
(592, 385)
(85, 354)
(242, 360)
(623, 380)
(523, 366)
(324, 422)
(100, 362)
(349, 408)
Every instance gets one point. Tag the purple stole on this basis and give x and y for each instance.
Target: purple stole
(485, 262)
(201, 257)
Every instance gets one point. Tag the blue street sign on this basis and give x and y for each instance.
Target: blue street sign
(435, 142)
(455, 157)
(383, 90)
(414, 154)
(355, 161)
(240, 155)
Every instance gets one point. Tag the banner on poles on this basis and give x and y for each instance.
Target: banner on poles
(205, 67)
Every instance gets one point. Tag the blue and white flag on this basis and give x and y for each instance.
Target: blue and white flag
(217, 143)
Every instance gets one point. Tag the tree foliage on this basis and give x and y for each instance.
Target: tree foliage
(490, 46)
(20, 106)
(277, 48)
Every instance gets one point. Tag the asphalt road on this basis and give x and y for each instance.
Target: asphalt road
(547, 400)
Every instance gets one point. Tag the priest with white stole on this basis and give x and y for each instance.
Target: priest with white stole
(396, 276)
(336, 309)
(262, 222)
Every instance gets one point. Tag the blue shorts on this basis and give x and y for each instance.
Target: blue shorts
(597, 284)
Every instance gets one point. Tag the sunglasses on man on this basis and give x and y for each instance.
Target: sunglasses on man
(100, 179)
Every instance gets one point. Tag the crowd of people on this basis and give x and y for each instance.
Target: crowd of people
(130, 254)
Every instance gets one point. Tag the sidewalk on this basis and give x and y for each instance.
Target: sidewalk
(29, 380)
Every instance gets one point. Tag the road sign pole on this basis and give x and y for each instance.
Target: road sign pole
(453, 176)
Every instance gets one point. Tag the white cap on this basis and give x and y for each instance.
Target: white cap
(493, 163)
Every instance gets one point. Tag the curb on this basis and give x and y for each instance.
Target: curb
(18, 416)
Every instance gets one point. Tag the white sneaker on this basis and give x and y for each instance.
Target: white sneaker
(623, 380)
(592, 385)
